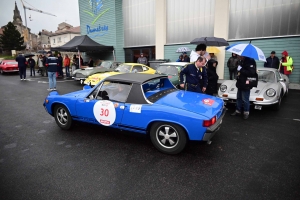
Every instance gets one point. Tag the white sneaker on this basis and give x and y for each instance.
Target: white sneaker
(24, 79)
(54, 89)
(49, 89)
(21, 79)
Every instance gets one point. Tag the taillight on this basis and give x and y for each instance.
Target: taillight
(212, 121)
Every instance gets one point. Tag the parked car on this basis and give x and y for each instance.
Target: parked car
(83, 73)
(8, 66)
(272, 87)
(123, 68)
(143, 103)
(172, 70)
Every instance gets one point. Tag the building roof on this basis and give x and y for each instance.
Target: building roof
(75, 30)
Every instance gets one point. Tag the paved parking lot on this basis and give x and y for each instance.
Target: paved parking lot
(258, 158)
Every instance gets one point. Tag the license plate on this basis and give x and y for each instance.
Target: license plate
(257, 107)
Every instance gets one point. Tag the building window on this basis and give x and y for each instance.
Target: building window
(53, 41)
(59, 40)
(263, 18)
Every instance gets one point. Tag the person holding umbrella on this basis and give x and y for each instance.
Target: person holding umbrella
(200, 50)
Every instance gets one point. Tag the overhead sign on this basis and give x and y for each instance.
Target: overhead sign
(96, 11)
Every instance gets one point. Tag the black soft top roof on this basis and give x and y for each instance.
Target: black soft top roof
(134, 77)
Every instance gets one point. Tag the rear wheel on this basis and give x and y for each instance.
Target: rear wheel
(168, 138)
(1, 71)
(62, 117)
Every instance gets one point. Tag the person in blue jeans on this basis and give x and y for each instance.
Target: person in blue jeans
(244, 82)
(51, 64)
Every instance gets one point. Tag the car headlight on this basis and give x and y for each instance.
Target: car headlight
(223, 88)
(270, 92)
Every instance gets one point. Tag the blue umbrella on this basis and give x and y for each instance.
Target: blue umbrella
(247, 50)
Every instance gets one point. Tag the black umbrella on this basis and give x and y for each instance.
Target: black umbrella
(42, 51)
(210, 41)
(27, 55)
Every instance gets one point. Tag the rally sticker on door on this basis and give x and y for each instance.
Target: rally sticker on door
(208, 102)
(104, 112)
(135, 108)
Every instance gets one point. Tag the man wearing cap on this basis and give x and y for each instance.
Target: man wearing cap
(272, 61)
(195, 76)
(142, 59)
(51, 64)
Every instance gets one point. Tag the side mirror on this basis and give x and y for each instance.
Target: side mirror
(282, 80)
(86, 87)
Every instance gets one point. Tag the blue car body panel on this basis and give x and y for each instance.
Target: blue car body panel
(187, 109)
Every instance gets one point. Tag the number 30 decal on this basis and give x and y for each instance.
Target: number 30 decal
(105, 112)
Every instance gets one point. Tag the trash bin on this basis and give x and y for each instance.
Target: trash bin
(155, 63)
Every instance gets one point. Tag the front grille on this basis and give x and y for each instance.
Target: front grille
(79, 75)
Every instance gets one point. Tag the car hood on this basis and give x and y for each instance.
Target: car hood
(256, 91)
(202, 104)
(79, 94)
(104, 75)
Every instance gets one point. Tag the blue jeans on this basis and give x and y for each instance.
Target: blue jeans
(67, 71)
(52, 79)
(242, 100)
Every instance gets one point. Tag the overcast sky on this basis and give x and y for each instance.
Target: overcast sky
(65, 11)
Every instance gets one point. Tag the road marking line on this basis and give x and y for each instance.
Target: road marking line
(297, 120)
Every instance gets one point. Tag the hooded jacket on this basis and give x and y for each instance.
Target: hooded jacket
(233, 63)
(212, 86)
(287, 64)
(246, 73)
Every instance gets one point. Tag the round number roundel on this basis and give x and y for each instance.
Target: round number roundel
(104, 112)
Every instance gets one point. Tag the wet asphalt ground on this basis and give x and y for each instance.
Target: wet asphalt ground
(258, 158)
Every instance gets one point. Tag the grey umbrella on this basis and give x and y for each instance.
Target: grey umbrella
(27, 55)
(210, 41)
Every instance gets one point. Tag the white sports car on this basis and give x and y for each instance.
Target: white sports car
(272, 87)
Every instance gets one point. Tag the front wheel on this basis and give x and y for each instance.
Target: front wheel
(62, 117)
(277, 105)
(168, 138)
(1, 71)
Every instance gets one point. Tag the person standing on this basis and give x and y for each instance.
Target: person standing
(60, 65)
(31, 63)
(232, 65)
(91, 63)
(246, 69)
(67, 65)
(74, 63)
(186, 58)
(195, 76)
(51, 63)
(142, 59)
(212, 86)
(22, 66)
(286, 65)
(200, 50)
(44, 63)
(180, 58)
(272, 61)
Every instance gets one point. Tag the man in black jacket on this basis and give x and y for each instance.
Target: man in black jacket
(31, 63)
(245, 80)
(51, 64)
(22, 66)
(272, 61)
(195, 76)
(59, 65)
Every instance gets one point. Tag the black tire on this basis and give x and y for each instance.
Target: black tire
(63, 117)
(1, 71)
(277, 105)
(287, 92)
(163, 134)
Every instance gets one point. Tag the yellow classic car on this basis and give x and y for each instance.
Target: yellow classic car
(122, 68)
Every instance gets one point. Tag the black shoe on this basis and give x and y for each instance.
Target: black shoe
(235, 113)
(246, 116)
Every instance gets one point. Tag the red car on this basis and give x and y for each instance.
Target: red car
(8, 66)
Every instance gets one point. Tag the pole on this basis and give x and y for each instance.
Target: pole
(114, 55)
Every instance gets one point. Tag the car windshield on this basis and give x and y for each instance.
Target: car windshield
(167, 70)
(266, 76)
(106, 64)
(123, 68)
(12, 63)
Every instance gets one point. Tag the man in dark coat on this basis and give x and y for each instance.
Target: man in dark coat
(31, 63)
(246, 79)
(272, 61)
(195, 76)
(59, 65)
(232, 65)
(51, 64)
(22, 66)
(212, 86)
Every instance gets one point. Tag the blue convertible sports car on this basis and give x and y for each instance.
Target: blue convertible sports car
(144, 103)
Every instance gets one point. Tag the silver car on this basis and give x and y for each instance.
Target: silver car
(105, 66)
(272, 87)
